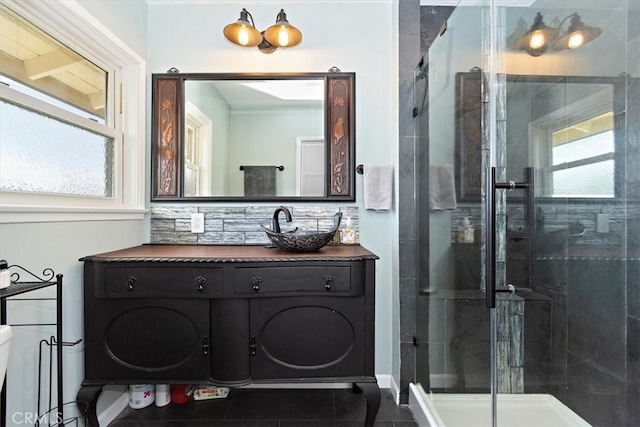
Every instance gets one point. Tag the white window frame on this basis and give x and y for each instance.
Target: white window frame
(71, 24)
(203, 127)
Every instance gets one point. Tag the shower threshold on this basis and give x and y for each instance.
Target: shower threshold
(474, 410)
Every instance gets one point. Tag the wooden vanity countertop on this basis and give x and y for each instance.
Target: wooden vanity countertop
(228, 253)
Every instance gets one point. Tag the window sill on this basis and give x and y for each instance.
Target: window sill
(13, 214)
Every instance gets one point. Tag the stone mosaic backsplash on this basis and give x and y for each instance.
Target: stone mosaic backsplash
(239, 225)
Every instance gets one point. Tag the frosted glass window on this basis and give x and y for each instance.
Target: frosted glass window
(592, 180)
(44, 155)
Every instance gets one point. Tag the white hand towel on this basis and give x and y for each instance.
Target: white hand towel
(378, 187)
(442, 192)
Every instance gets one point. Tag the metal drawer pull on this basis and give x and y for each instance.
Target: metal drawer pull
(327, 282)
(205, 345)
(200, 281)
(253, 346)
(256, 280)
(130, 282)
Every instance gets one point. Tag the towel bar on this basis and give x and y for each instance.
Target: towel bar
(280, 168)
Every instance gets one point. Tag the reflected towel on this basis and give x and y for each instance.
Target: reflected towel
(442, 192)
(378, 180)
(259, 181)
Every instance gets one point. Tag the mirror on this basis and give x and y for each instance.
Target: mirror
(567, 128)
(254, 137)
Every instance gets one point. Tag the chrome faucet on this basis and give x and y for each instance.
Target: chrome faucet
(275, 224)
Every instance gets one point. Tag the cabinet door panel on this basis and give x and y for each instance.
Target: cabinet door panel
(302, 337)
(148, 339)
(230, 348)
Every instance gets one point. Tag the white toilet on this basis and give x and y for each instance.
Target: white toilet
(5, 339)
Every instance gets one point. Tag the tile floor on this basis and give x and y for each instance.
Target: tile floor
(255, 407)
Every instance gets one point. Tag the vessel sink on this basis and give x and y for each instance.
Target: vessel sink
(303, 241)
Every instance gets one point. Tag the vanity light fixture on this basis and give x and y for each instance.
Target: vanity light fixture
(283, 34)
(537, 39)
(577, 35)
(244, 33)
(540, 36)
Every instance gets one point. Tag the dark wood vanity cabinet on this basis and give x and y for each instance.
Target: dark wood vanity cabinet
(229, 315)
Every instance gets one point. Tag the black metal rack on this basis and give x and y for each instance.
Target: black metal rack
(18, 287)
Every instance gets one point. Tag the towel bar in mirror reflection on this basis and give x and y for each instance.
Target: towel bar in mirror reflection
(203, 123)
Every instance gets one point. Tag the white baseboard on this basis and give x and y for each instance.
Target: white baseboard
(384, 380)
(394, 388)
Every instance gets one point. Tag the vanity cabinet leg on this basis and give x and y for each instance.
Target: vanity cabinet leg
(87, 403)
(371, 392)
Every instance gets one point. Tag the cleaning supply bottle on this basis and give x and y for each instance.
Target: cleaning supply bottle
(348, 234)
(466, 231)
(5, 275)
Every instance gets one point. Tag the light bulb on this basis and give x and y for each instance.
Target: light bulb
(537, 40)
(243, 36)
(283, 36)
(576, 40)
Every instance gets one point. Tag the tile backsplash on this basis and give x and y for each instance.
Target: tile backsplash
(238, 225)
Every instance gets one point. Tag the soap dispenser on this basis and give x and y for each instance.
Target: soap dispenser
(466, 231)
(348, 234)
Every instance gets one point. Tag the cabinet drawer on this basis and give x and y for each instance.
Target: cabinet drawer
(127, 281)
(321, 279)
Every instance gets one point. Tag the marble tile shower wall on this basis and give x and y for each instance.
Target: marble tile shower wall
(238, 225)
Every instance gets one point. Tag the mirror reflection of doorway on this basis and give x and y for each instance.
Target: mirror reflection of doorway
(310, 165)
(197, 152)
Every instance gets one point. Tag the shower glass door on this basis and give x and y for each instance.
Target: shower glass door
(545, 163)
(454, 368)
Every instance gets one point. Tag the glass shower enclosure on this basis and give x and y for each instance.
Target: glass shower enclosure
(529, 301)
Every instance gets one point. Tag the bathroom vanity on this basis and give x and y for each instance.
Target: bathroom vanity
(231, 316)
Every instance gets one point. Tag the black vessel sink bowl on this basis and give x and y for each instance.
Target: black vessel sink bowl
(303, 241)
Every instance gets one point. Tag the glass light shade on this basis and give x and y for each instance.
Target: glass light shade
(577, 35)
(242, 32)
(283, 34)
(576, 39)
(537, 39)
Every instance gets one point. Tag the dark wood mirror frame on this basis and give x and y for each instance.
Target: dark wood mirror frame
(167, 135)
(468, 129)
